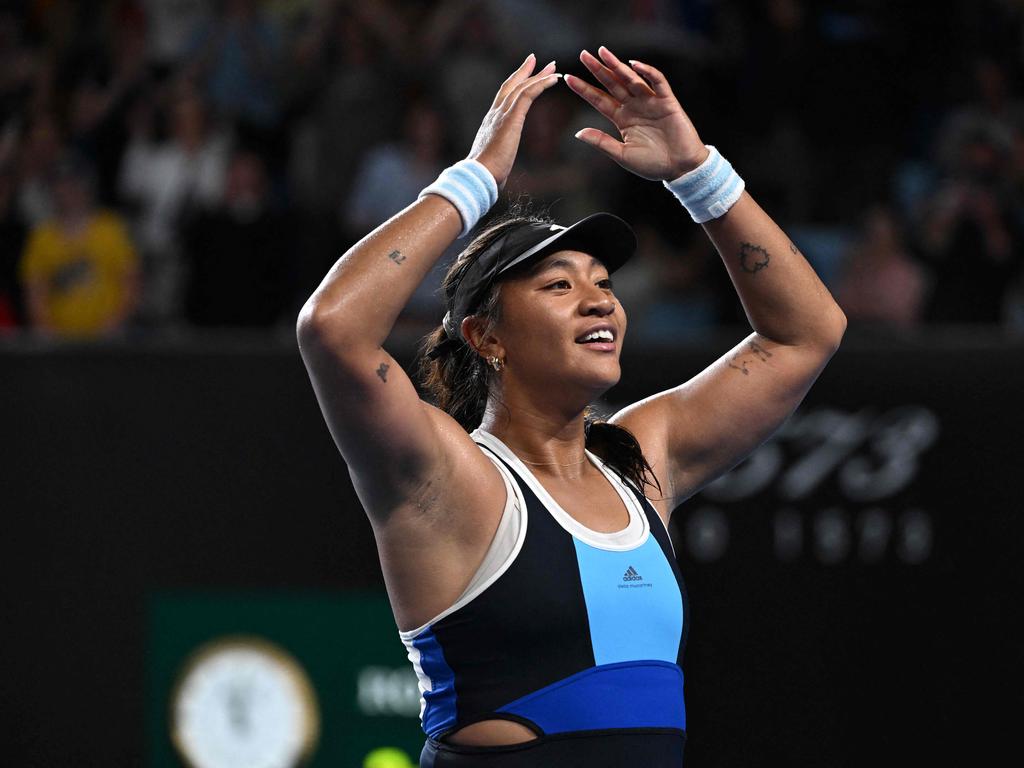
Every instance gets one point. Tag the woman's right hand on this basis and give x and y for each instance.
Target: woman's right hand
(497, 141)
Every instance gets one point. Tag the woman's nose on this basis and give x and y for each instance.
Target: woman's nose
(598, 304)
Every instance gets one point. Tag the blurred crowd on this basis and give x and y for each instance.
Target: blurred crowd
(177, 164)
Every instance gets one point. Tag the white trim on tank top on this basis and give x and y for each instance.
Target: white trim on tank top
(511, 532)
(505, 546)
(632, 536)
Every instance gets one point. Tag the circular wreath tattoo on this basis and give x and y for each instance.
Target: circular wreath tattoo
(753, 258)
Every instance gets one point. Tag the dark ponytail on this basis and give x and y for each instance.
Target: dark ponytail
(458, 379)
(451, 371)
(619, 449)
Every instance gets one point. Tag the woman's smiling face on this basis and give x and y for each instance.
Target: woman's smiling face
(560, 323)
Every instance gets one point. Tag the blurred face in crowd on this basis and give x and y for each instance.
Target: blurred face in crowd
(72, 194)
(43, 144)
(881, 227)
(990, 81)
(980, 161)
(545, 312)
(352, 38)
(189, 121)
(681, 269)
(239, 8)
(7, 183)
(245, 192)
(424, 131)
(477, 31)
(543, 132)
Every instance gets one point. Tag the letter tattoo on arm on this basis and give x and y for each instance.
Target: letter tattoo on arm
(383, 372)
(761, 353)
(742, 367)
(396, 256)
(753, 258)
(757, 350)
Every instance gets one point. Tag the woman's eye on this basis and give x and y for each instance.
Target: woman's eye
(606, 284)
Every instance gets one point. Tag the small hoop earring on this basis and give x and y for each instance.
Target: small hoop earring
(495, 362)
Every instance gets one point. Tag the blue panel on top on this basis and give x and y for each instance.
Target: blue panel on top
(634, 605)
(439, 712)
(632, 695)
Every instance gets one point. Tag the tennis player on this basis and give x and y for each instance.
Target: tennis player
(525, 545)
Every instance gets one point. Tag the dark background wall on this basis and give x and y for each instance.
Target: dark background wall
(854, 585)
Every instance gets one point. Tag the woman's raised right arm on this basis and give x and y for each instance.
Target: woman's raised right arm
(391, 440)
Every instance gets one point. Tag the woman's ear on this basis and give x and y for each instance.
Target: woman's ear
(473, 328)
(471, 331)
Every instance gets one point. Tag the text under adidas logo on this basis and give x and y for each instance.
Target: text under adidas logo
(632, 575)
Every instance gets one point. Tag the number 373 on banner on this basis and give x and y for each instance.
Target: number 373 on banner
(849, 467)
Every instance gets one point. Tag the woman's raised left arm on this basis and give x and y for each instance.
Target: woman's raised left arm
(700, 429)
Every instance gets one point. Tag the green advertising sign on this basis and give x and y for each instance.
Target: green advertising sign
(276, 680)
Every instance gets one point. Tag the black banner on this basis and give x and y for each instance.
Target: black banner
(854, 585)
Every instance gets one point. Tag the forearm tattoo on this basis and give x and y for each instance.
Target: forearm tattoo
(383, 372)
(753, 258)
(396, 256)
(740, 359)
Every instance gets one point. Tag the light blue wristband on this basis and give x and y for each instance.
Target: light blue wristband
(470, 187)
(710, 189)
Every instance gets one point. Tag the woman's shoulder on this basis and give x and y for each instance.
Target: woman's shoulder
(469, 455)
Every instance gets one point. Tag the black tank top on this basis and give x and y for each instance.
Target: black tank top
(580, 637)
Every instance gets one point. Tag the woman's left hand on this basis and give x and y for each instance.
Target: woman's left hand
(658, 139)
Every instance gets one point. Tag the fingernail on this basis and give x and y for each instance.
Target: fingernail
(530, 56)
(549, 64)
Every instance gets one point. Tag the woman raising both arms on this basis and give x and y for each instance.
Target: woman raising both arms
(525, 549)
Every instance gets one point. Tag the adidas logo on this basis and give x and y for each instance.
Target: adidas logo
(632, 575)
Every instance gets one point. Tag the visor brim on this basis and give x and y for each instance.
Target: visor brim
(604, 236)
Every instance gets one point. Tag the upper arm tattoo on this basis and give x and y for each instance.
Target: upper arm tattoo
(753, 258)
(396, 256)
(383, 372)
(739, 360)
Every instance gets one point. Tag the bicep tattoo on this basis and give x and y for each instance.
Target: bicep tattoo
(383, 372)
(753, 258)
(740, 359)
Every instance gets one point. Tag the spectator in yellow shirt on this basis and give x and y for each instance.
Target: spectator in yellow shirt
(79, 269)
